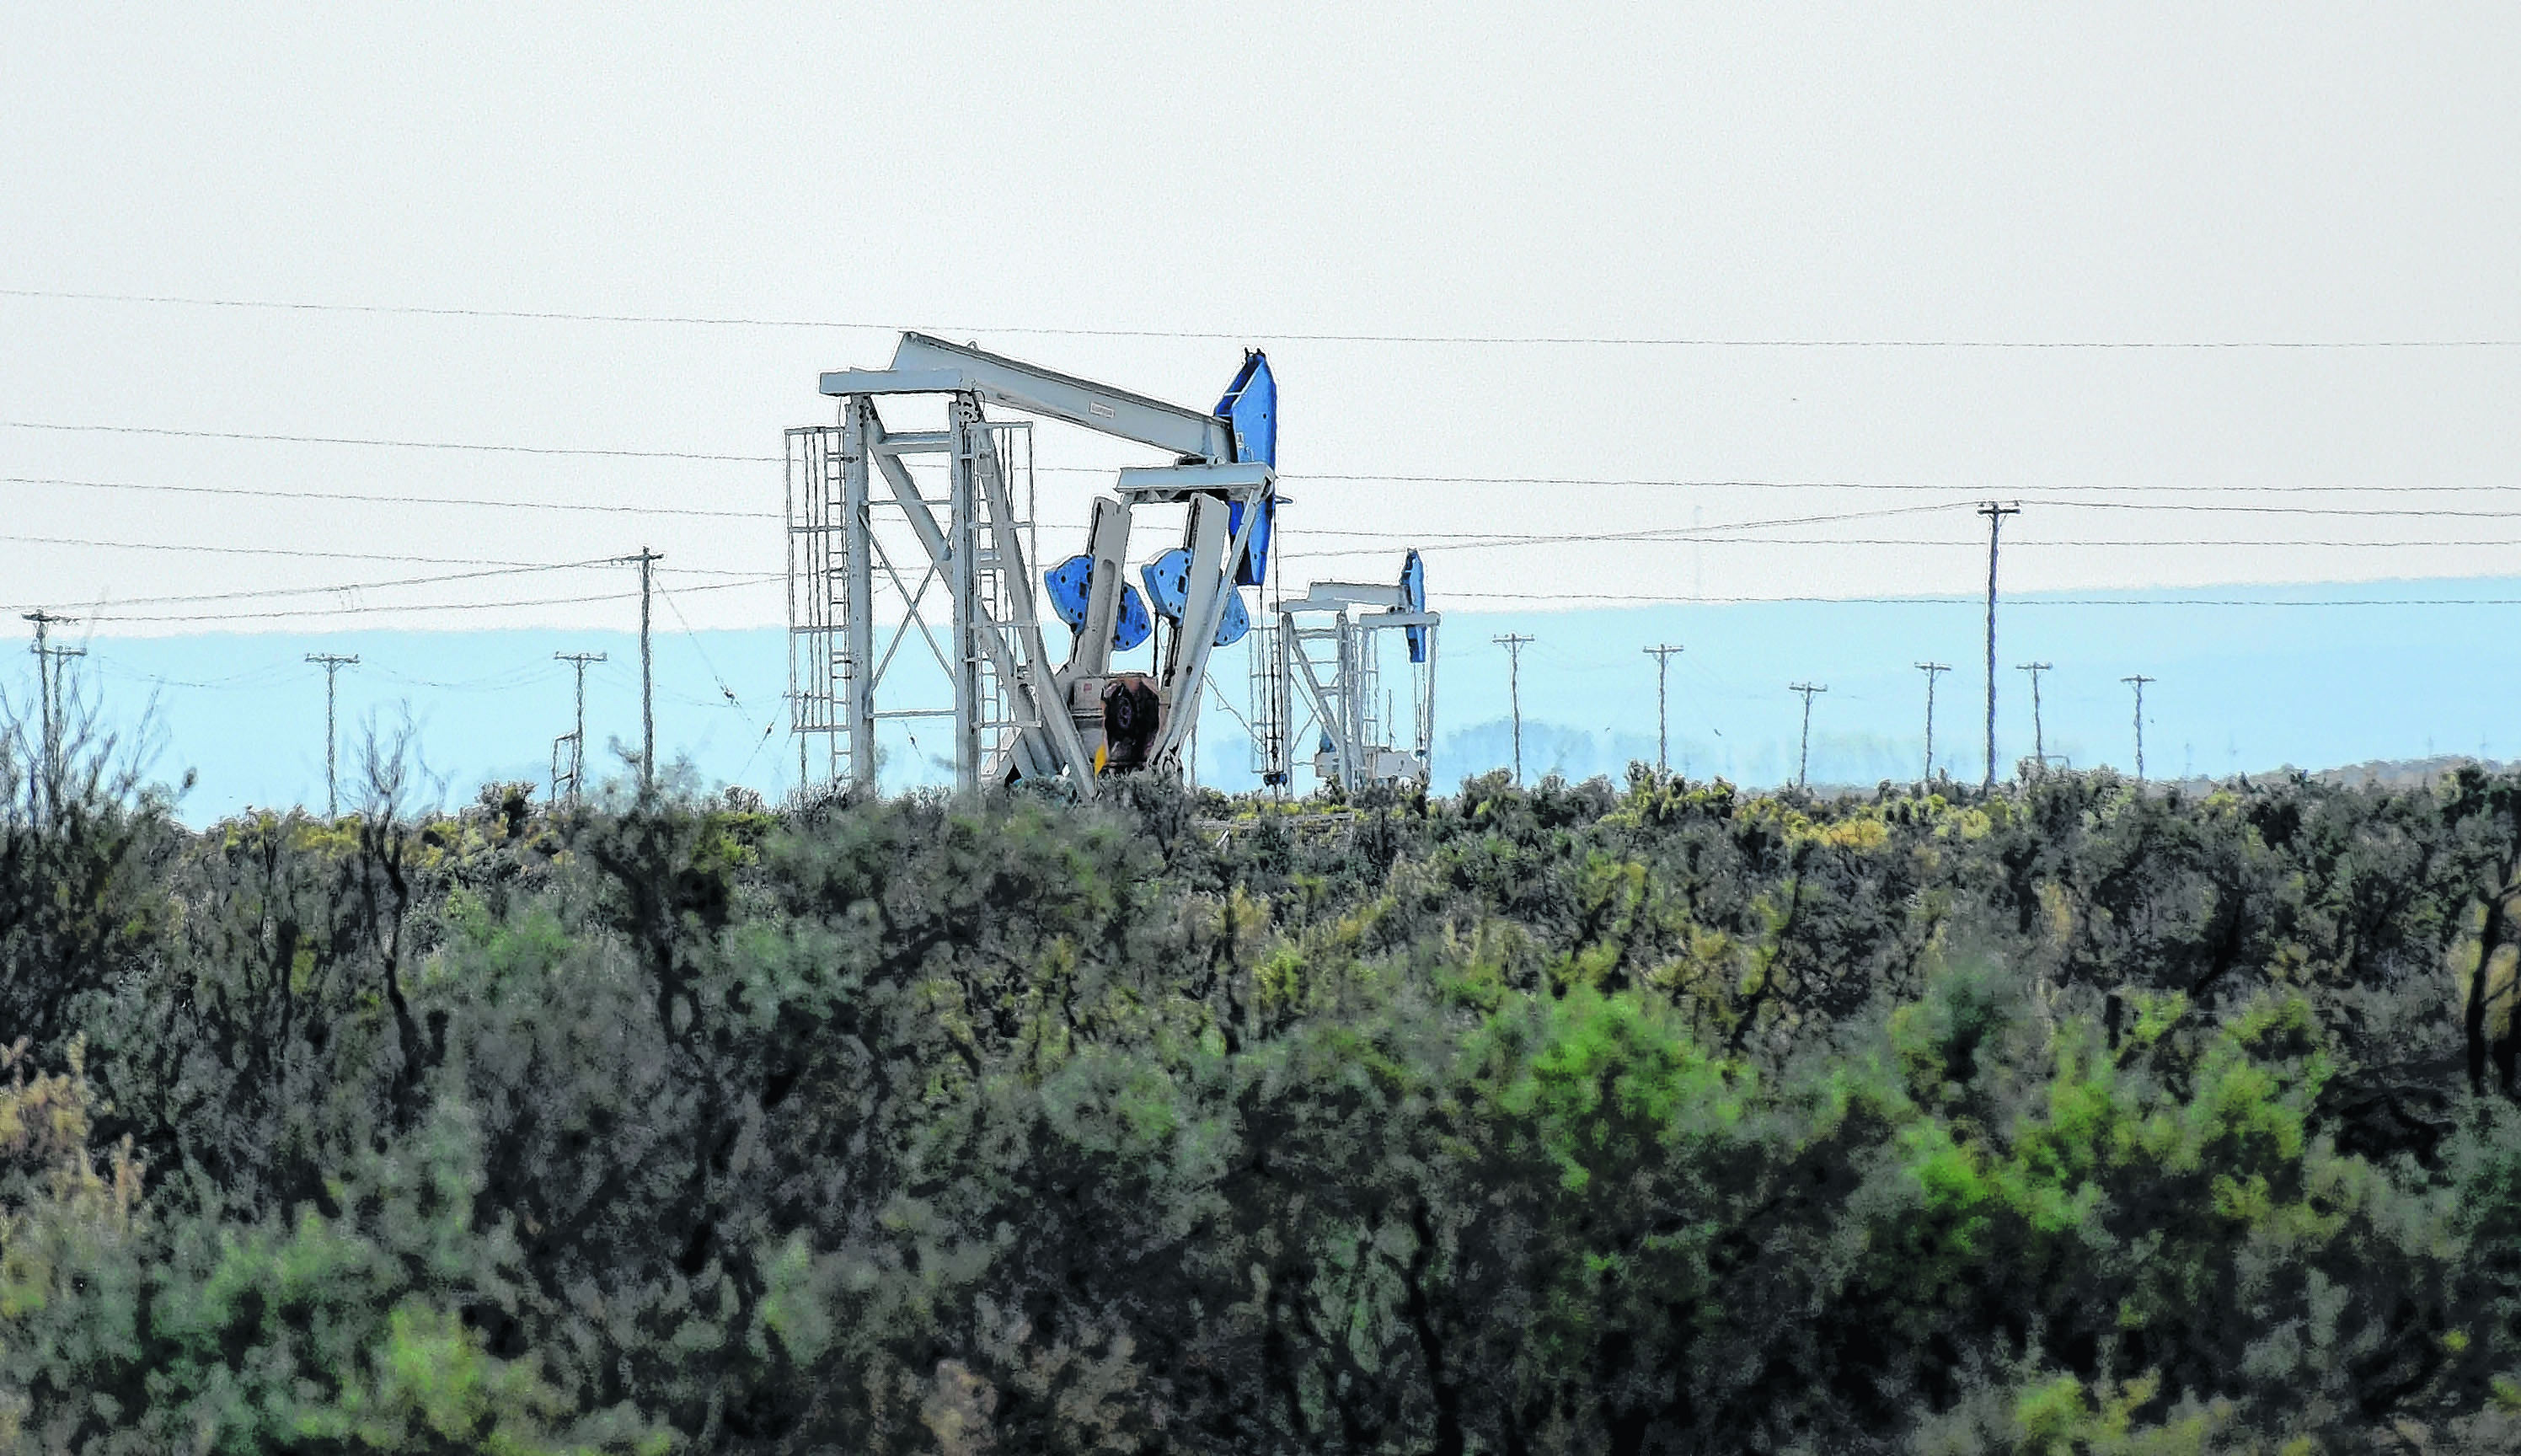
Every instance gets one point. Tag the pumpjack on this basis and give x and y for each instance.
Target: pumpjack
(1320, 669)
(870, 550)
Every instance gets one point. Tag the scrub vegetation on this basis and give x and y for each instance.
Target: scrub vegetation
(1664, 1118)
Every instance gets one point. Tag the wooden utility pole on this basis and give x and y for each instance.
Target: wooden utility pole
(2138, 681)
(2039, 741)
(333, 663)
(1994, 514)
(1805, 761)
(48, 695)
(47, 687)
(577, 737)
(1514, 644)
(647, 561)
(1931, 670)
(1663, 660)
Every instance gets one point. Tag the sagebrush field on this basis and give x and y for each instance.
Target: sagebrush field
(1658, 1117)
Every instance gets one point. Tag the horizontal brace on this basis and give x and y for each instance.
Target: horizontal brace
(1163, 483)
(894, 382)
(1334, 596)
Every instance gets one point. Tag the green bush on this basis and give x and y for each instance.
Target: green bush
(1665, 1118)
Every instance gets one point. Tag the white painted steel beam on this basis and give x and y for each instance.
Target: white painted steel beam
(1166, 483)
(1107, 545)
(1336, 595)
(859, 426)
(1044, 391)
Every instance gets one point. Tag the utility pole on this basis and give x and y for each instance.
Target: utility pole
(1805, 762)
(647, 561)
(1931, 670)
(2138, 681)
(1663, 660)
(577, 740)
(47, 688)
(1514, 644)
(43, 622)
(333, 664)
(1994, 514)
(2039, 741)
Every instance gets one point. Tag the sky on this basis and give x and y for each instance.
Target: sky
(1789, 289)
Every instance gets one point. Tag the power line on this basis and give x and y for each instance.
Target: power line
(702, 648)
(253, 680)
(1645, 598)
(2268, 509)
(399, 444)
(346, 588)
(189, 548)
(414, 607)
(1293, 478)
(343, 587)
(1263, 335)
(1739, 483)
(1433, 545)
(495, 682)
(1687, 533)
(357, 498)
(1642, 533)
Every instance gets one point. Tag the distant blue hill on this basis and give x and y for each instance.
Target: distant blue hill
(2238, 688)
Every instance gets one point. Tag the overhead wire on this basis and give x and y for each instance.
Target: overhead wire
(1294, 477)
(337, 588)
(1974, 601)
(2156, 543)
(414, 607)
(1283, 335)
(1721, 532)
(498, 682)
(1739, 483)
(288, 551)
(363, 498)
(701, 648)
(253, 680)
(2430, 511)
(1709, 483)
(400, 444)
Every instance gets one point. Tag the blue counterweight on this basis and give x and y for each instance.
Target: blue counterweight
(1251, 407)
(1071, 585)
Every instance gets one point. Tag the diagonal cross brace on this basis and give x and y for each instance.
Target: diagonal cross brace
(1200, 639)
(1034, 679)
(1319, 696)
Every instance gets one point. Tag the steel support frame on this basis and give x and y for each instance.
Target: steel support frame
(1338, 705)
(993, 655)
(859, 429)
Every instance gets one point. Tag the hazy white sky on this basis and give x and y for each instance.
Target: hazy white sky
(2000, 173)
